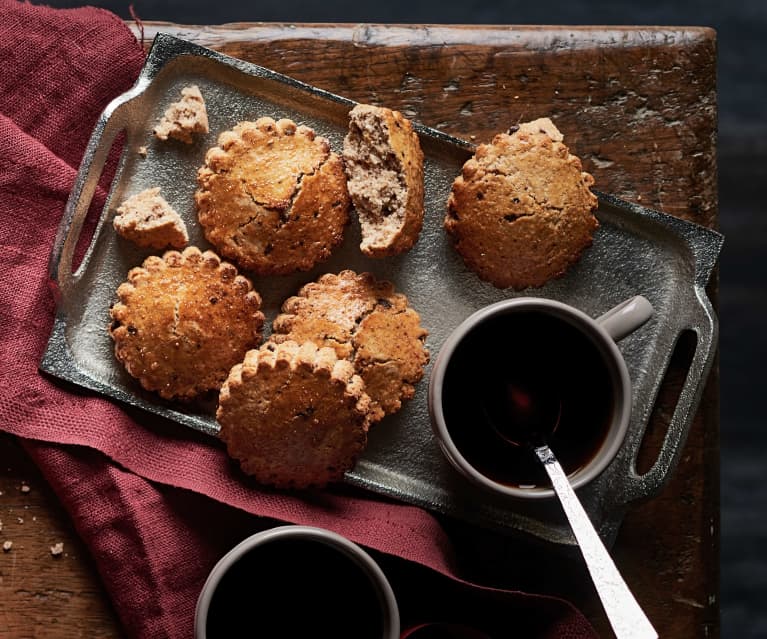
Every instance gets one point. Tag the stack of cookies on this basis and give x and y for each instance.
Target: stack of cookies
(347, 349)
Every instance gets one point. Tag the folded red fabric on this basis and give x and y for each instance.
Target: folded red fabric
(156, 504)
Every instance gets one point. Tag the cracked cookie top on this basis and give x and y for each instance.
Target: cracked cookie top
(183, 320)
(295, 416)
(272, 197)
(366, 322)
(521, 212)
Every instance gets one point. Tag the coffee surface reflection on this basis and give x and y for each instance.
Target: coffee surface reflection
(527, 375)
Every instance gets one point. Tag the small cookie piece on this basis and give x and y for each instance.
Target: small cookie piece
(183, 320)
(541, 125)
(273, 197)
(521, 212)
(384, 166)
(184, 118)
(147, 220)
(295, 416)
(365, 321)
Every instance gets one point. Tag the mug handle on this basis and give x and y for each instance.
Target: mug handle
(626, 317)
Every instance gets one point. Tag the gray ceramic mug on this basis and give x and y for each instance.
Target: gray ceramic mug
(579, 381)
(297, 581)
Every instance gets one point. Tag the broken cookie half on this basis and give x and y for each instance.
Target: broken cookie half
(384, 169)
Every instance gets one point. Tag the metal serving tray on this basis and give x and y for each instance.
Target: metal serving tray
(636, 250)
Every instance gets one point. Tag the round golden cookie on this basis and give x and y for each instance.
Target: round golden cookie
(521, 212)
(295, 416)
(272, 197)
(365, 321)
(183, 320)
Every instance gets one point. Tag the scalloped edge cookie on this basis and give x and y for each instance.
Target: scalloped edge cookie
(521, 212)
(272, 197)
(366, 321)
(294, 416)
(183, 320)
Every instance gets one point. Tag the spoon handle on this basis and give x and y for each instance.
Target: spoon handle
(626, 617)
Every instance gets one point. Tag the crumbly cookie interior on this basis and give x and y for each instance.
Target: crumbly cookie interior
(147, 219)
(384, 169)
(184, 118)
(376, 177)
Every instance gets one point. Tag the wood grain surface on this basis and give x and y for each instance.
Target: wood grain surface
(638, 105)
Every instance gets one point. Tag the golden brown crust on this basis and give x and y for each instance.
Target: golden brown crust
(520, 213)
(295, 416)
(183, 320)
(272, 197)
(365, 321)
(384, 167)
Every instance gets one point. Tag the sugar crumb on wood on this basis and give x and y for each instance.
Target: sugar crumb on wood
(57, 549)
(7, 545)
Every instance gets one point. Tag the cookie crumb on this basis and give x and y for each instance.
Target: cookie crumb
(7, 545)
(184, 117)
(146, 219)
(25, 488)
(142, 151)
(57, 549)
(20, 520)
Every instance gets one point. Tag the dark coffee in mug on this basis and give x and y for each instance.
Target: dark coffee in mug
(293, 587)
(528, 372)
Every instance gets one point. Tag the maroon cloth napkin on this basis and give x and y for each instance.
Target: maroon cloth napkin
(157, 504)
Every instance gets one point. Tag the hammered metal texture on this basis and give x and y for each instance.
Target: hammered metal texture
(635, 250)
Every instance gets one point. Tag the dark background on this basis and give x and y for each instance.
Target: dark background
(742, 150)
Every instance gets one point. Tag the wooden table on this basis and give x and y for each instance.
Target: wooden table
(638, 105)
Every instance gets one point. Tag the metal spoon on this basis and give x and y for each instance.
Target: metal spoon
(531, 415)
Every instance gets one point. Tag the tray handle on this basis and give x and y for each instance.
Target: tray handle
(652, 481)
(61, 277)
